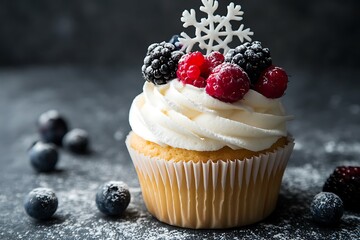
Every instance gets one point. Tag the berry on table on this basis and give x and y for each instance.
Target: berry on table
(228, 83)
(52, 127)
(41, 203)
(113, 198)
(251, 57)
(189, 69)
(160, 63)
(77, 141)
(326, 208)
(345, 182)
(272, 82)
(43, 156)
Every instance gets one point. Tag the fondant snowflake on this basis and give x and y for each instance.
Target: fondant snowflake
(214, 32)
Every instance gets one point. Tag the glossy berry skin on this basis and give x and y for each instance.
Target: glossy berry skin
(76, 141)
(113, 198)
(212, 60)
(272, 82)
(228, 83)
(43, 156)
(326, 209)
(41, 203)
(52, 127)
(345, 182)
(189, 69)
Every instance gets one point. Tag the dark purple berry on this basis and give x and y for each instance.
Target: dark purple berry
(326, 209)
(251, 57)
(160, 63)
(113, 198)
(43, 156)
(52, 127)
(77, 141)
(345, 182)
(41, 203)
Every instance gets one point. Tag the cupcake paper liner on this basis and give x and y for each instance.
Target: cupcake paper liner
(212, 194)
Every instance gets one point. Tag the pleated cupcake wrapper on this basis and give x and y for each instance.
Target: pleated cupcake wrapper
(221, 194)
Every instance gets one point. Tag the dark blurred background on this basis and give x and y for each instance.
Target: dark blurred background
(84, 57)
(300, 34)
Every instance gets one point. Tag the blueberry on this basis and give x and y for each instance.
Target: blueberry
(77, 141)
(52, 127)
(43, 156)
(41, 203)
(327, 209)
(175, 41)
(112, 198)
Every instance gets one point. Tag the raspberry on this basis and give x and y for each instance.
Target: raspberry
(345, 182)
(228, 83)
(193, 72)
(272, 82)
(211, 61)
(195, 58)
(189, 69)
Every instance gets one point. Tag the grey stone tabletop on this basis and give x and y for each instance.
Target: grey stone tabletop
(326, 131)
(83, 58)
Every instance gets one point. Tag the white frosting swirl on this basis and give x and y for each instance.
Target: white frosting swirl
(184, 116)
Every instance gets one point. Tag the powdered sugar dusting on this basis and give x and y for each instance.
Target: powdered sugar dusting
(301, 179)
(77, 216)
(324, 140)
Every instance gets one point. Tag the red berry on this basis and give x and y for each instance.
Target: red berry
(189, 69)
(345, 182)
(228, 83)
(193, 72)
(194, 58)
(200, 82)
(272, 83)
(211, 61)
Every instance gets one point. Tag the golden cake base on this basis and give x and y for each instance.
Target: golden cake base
(209, 194)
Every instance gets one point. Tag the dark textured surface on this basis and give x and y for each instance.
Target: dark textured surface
(315, 40)
(326, 105)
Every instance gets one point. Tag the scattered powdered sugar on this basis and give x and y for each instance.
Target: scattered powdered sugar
(78, 178)
(301, 179)
(78, 218)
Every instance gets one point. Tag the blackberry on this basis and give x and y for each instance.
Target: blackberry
(251, 57)
(345, 182)
(160, 63)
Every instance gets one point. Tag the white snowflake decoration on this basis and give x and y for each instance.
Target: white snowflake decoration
(214, 32)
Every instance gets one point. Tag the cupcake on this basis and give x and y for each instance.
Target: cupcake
(209, 140)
